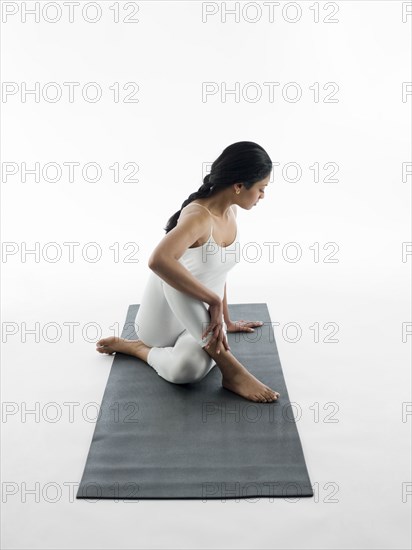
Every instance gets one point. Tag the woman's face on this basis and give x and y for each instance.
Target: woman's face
(256, 192)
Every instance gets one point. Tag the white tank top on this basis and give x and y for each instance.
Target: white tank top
(210, 262)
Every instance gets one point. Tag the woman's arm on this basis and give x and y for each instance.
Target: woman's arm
(225, 308)
(180, 278)
(164, 260)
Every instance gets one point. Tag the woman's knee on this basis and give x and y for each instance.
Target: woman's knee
(190, 369)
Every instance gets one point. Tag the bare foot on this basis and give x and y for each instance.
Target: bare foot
(245, 384)
(113, 343)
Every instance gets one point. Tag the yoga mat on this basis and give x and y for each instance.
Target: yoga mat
(158, 440)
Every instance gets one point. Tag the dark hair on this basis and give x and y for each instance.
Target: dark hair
(242, 162)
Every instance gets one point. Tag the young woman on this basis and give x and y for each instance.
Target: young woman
(183, 318)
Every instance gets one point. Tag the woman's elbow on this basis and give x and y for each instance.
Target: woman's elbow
(153, 261)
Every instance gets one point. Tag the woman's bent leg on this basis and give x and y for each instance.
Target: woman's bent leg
(182, 363)
(171, 323)
(155, 323)
(190, 312)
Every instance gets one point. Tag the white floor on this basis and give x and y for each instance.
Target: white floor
(353, 396)
(349, 398)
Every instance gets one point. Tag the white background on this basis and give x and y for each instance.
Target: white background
(360, 464)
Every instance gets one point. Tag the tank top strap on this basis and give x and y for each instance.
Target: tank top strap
(201, 206)
(211, 227)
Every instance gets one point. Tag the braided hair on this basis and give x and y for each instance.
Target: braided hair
(243, 162)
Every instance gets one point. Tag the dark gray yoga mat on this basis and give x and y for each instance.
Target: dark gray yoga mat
(158, 440)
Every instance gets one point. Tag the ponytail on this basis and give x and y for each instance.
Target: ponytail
(204, 191)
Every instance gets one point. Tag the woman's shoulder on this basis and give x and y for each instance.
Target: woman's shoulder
(205, 208)
(195, 216)
(194, 207)
(192, 212)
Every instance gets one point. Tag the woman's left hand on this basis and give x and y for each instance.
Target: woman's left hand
(242, 325)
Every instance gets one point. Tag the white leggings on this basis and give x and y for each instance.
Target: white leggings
(172, 323)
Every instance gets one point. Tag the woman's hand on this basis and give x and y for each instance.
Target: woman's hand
(216, 326)
(242, 325)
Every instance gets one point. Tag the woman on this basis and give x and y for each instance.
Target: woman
(183, 318)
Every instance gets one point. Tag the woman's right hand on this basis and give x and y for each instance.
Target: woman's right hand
(216, 326)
